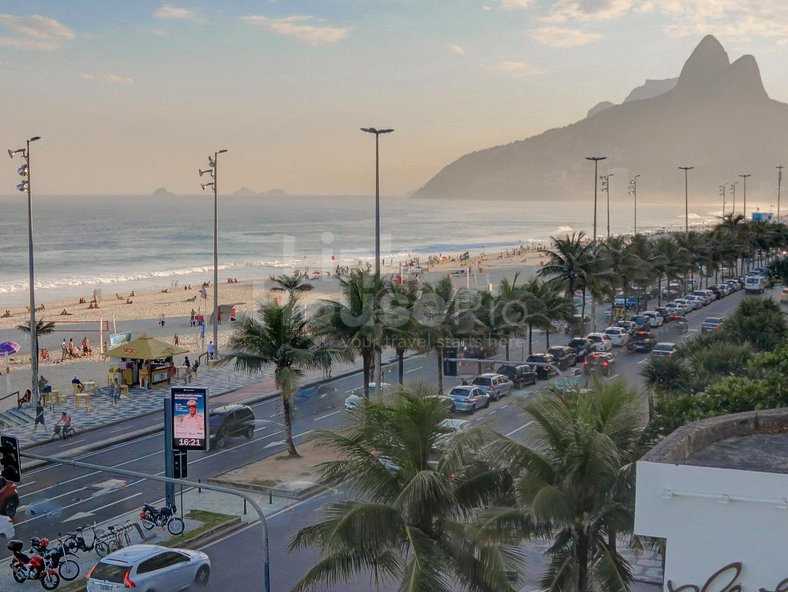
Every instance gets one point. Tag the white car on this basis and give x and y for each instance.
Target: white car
(618, 335)
(449, 427)
(150, 567)
(7, 528)
(654, 318)
(687, 304)
(355, 396)
(696, 301)
(602, 341)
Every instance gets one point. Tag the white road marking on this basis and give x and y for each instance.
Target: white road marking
(120, 501)
(413, 369)
(643, 361)
(612, 377)
(327, 415)
(520, 428)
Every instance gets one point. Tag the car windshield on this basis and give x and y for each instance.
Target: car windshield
(483, 380)
(107, 572)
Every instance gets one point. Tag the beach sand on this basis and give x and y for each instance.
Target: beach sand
(176, 303)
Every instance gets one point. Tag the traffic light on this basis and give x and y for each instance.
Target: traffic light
(179, 464)
(12, 465)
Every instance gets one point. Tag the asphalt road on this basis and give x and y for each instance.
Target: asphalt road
(58, 499)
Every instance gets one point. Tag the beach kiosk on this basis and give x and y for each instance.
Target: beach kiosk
(145, 361)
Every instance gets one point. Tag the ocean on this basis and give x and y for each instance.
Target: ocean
(122, 243)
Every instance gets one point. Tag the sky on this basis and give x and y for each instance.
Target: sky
(131, 96)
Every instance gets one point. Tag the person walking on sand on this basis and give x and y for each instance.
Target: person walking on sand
(176, 340)
(63, 349)
(39, 416)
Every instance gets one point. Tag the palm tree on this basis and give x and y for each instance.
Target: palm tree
(418, 497)
(399, 326)
(506, 314)
(572, 482)
(293, 285)
(42, 328)
(279, 338)
(355, 324)
(570, 265)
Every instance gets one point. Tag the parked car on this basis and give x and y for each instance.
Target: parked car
(447, 402)
(599, 362)
(602, 341)
(149, 567)
(520, 374)
(697, 302)
(654, 319)
(663, 349)
(449, 427)
(618, 335)
(707, 296)
(495, 385)
(469, 398)
(542, 363)
(355, 396)
(629, 326)
(565, 356)
(9, 498)
(581, 346)
(663, 312)
(710, 324)
(640, 321)
(230, 421)
(684, 305)
(7, 527)
(642, 342)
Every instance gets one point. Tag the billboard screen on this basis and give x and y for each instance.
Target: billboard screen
(189, 418)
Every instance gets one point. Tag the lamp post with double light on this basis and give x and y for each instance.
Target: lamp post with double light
(686, 169)
(633, 191)
(24, 186)
(723, 190)
(779, 185)
(596, 160)
(379, 347)
(744, 206)
(733, 198)
(213, 171)
(606, 188)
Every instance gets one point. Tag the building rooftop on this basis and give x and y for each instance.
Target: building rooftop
(750, 441)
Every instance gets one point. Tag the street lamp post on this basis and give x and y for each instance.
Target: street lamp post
(745, 195)
(596, 160)
(779, 184)
(213, 170)
(606, 188)
(24, 171)
(733, 195)
(723, 189)
(686, 169)
(377, 132)
(633, 191)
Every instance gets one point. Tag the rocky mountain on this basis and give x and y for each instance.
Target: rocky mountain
(716, 117)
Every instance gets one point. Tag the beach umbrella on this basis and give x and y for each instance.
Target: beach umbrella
(8, 348)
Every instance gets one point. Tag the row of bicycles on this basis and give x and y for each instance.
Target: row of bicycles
(51, 560)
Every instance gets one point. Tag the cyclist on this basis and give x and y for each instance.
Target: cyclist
(65, 421)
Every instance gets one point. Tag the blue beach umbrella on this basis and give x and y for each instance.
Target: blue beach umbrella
(8, 348)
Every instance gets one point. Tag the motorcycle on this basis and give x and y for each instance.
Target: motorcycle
(151, 516)
(56, 557)
(24, 567)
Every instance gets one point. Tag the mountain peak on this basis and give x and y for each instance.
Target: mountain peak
(744, 73)
(705, 63)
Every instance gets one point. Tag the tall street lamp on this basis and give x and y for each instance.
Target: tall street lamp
(213, 171)
(633, 191)
(733, 194)
(24, 186)
(596, 160)
(377, 132)
(606, 188)
(779, 184)
(686, 198)
(723, 189)
(745, 195)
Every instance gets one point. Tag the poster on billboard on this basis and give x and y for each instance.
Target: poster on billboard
(189, 418)
(118, 338)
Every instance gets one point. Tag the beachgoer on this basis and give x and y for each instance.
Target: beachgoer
(176, 340)
(219, 317)
(6, 314)
(65, 420)
(24, 399)
(78, 386)
(186, 362)
(71, 351)
(129, 301)
(115, 390)
(39, 415)
(44, 353)
(86, 346)
(162, 321)
(132, 295)
(43, 385)
(211, 350)
(63, 349)
(191, 318)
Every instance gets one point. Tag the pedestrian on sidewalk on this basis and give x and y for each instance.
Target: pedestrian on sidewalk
(39, 416)
(115, 390)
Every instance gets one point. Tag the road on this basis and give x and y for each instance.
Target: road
(57, 499)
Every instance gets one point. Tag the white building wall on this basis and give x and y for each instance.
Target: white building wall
(704, 534)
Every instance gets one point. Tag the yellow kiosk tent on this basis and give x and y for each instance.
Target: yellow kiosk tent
(145, 361)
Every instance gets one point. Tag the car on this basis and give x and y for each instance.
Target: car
(707, 296)
(663, 312)
(640, 321)
(355, 396)
(149, 567)
(9, 498)
(318, 391)
(654, 319)
(445, 401)
(642, 342)
(630, 326)
(581, 346)
(599, 362)
(469, 398)
(448, 428)
(495, 385)
(684, 305)
(784, 295)
(565, 357)
(710, 324)
(663, 349)
(602, 341)
(618, 335)
(520, 374)
(230, 421)
(7, 527)
(697, 302)
(544, 364)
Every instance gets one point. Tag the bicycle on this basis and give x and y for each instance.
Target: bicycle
(115, 538)
(75, 541)
(63, 432)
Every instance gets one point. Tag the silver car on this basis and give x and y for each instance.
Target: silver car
(150, 567)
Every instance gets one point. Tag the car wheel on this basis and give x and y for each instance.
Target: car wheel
(249, 433)
(487, 404)
(203, 574)
(220, 441)
(10, 506)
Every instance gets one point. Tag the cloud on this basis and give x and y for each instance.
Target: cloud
(34, 32)
(515, 4)
(110, 79)
(515, 68)
(589, 10)
(174, 13)
(458, 49)
(293, 27)
(563, 37)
